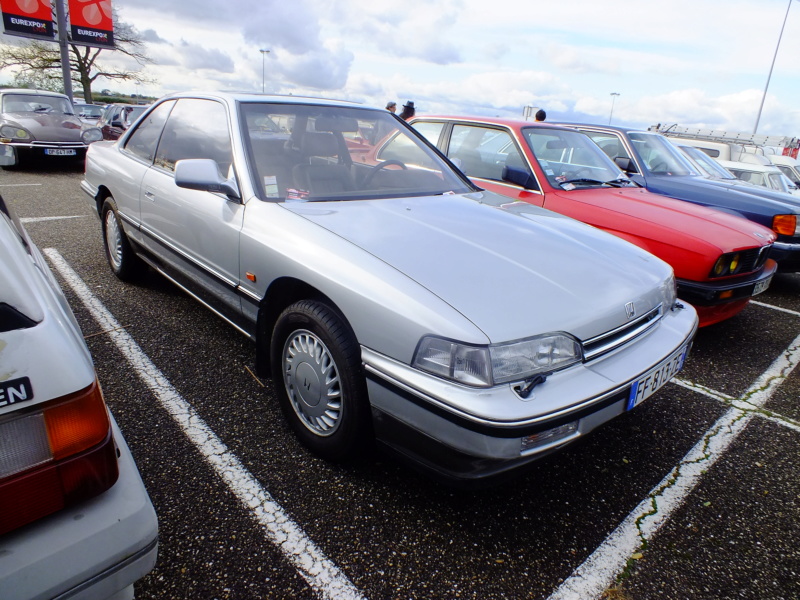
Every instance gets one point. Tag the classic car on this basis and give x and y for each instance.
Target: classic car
(388, 301)
(116, 119)
(36, 124)
(720, 261)
(90, 114)
(652, 161)
(75, 518)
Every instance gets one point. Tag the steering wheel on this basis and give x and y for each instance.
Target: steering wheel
(379, 166)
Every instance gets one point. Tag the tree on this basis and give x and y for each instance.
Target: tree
(40, 62)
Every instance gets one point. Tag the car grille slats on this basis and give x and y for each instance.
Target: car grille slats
(611, 340)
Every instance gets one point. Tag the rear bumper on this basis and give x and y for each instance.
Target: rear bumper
(94, 550)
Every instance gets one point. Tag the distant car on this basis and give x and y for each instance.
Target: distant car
(652, 161)
(38, 125)
(764, 175)
(790, 166)
(89, 113)
(387, 300)
(118, 117)
(720, 261)
(75, 519)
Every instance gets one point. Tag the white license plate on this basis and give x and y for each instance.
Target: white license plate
(59, 151)
(655, 378)
(761, 286)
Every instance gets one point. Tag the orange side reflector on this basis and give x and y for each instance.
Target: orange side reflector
(251, 276)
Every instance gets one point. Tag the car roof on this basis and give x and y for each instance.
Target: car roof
(504, 121)
(31, 92)
(236, 97)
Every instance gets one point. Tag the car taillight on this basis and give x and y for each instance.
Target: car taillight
(785, 225)
(56, 456)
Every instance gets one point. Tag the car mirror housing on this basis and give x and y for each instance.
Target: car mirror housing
(626, 164)
(520, 176)
(203, 174)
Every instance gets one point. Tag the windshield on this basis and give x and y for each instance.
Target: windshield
(660, 156)
(89, 111)
(316, 153)
(570, 159)
(707, 164)
(37, 104)
(790, 173)
(781, 182)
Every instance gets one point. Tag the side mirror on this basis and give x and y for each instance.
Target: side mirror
(203, 174)
(626, 164)
(520, 176)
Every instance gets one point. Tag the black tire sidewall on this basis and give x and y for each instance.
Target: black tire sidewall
(354, 431)
(129, 264)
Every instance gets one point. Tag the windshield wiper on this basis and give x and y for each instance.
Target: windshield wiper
(583, 180)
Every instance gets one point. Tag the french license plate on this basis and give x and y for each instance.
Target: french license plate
(59, 151)
(655, 378)
(761, 286)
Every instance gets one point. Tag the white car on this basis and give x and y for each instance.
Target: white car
(75, 519)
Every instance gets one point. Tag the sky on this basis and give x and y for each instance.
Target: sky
(698, 63)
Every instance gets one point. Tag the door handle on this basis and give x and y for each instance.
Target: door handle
(150, 196)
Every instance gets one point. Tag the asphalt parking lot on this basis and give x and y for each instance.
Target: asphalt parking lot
(694, 494)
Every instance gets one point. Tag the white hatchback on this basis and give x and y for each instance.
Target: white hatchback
(75, 518)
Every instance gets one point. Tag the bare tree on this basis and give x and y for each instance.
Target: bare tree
(40, 62)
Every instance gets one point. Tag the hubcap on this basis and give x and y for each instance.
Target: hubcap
(113, 240)
(312, 382)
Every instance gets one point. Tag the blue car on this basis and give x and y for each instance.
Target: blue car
(652, 161)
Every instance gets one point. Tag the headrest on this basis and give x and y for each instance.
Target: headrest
(319, 144)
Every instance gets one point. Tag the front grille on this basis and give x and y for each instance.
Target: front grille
(753, 259)
(611, 340)
(75, 144)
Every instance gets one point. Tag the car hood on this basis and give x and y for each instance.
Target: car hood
(512, 273)
(674, 222)
(717, 193)
(47, 127)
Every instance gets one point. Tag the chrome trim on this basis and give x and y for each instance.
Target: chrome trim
(634, 330)
(230, 282)
(433, 390)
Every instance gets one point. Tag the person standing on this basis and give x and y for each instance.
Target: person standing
(540, 115)
(391, 106)
(408, 110)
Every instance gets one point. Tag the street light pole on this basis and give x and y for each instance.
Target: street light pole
(263, 67)
(613, 97)
(764, 97)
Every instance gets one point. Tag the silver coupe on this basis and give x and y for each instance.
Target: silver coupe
(386, 295)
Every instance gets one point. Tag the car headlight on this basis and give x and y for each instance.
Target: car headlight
(727, 264)
(485, 366)
(669, 293)
(13, 132)
(93, 134)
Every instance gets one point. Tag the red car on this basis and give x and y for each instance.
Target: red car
(720, 260)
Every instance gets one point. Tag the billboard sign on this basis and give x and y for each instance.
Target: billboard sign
(91, 23)
(28, 18)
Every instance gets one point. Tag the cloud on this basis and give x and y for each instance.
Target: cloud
(194, 56)
(151, 37)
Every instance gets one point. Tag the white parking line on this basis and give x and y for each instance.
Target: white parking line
(593, 577)
(321, 574)
(38, 219)
(19, 184)
(778, 308)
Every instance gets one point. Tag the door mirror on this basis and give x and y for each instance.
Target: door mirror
(626, 164)
(203, 174)
(520, 176)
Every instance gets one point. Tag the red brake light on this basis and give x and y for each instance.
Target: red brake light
(82, 460)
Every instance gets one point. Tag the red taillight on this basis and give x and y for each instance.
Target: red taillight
(82, 460)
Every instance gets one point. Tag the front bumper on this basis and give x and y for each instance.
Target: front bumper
(723, 291)
(468, 435)
(787, 255)
(10, 151)
(94, 550)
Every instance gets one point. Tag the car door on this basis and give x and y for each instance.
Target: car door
(193, 233)
(483, 152)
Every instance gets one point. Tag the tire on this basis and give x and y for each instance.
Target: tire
(315, 357)
(121, 258)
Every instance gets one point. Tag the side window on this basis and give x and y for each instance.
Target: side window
(483, 152)
(610, 144)
(144, 139)
(430, 131)
(196, 129)
(402, 148)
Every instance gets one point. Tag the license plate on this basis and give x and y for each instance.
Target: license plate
(59, 151)
(655, 378)
(761, 286)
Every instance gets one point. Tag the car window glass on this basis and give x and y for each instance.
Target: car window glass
(660, 156)
(483, 151)
(144, 139)
(195, 129)
(304, 153)
(610, 144)
(430, 130)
